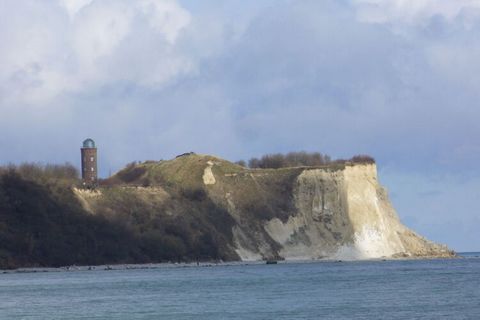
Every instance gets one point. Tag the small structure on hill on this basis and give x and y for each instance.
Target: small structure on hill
(89, 163)
(185, 154)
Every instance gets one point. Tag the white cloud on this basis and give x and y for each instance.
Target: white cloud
(166, 16)
(45, 54)
(74, 6)
(98, 30)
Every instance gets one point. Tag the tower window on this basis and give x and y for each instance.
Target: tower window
(91, 159)
(92, 169)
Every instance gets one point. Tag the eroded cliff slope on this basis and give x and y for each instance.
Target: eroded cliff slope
(338, 211)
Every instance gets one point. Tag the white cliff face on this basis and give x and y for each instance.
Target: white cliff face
(320, 224)
(208, 177)
(374, 222)
(344, 214)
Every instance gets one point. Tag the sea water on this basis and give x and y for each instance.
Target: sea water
(408, 289)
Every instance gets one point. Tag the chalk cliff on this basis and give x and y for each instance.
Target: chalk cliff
(332, 212)
(340, 214)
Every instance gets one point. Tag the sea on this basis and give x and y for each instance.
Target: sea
(400, 289)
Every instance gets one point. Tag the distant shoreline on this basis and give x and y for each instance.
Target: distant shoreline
(121, 267)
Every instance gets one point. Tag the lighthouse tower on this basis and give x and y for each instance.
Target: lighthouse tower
(89, 163)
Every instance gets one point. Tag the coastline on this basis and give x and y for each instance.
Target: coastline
(162, 265)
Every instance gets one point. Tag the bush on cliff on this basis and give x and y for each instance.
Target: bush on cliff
(301, 159)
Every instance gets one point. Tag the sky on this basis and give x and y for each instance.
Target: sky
(150, 79)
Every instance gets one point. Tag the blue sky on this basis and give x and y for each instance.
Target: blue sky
(150, 79)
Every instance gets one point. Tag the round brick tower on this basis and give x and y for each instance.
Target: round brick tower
(89, 163)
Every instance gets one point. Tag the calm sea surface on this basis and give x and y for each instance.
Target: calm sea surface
(429, 289)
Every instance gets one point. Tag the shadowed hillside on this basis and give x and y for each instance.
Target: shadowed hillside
(43, 223)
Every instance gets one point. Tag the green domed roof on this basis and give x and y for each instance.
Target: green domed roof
(89, 143)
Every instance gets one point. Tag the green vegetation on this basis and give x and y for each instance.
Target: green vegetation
(301, 159)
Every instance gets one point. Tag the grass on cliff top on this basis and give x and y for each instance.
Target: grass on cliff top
(185, 170)
(188, 171)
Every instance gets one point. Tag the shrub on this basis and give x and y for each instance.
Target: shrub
(131, 173)
(41, 173)
(194, 194)
(300, 159)
(241, 163)
(362, 159)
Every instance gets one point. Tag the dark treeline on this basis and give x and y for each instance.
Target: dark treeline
(43, 172)
(299, 159)
(42, 223)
